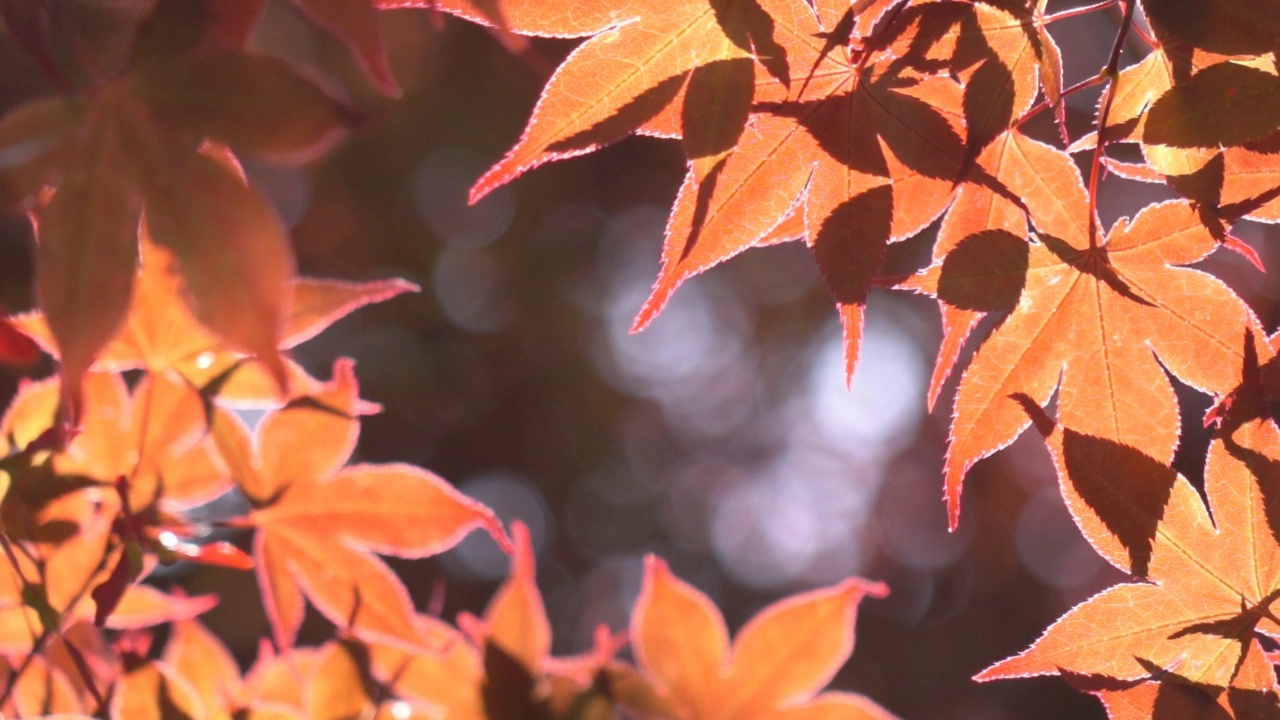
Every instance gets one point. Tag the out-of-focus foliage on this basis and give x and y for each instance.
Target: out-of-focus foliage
(191, 170)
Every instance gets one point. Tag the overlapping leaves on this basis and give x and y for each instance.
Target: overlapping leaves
(1190, 636)
(150, 145)
(852, 119)
(866, 121)
(317, 520)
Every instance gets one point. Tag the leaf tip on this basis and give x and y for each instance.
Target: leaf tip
(493, 178)
(493, 526)
(951, 493)
(653, 306)
(654, 566)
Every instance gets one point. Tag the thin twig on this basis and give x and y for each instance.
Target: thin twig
(1076, 12)
(1111, 72)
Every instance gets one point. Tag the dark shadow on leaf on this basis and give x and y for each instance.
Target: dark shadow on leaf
(1180, 701)
(1124, 487)
(1097, 683)
(1267, 472)
(1039, 418)
(1094, 263)
(850, 245)
(359, 654)
(988, 104)
(38, 486)
(702, 205)
(1120, 129)
(748, 26)
(1269, 145)
(630, 116)
(1175, 697)
(1204, 186)
(1228, 27)
(919, 136)
(311, 403)
(844, 125)
(1221, 105)
(717, 103)
(1253, 704)
(167, 708)
(986, 271)
(1236, 210)
(928, 24)
(508, 691)
(1238, 627)
(837, 36)
(1245, 404)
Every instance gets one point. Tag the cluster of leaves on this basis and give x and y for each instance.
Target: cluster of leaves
(856, 125)
(852, 126)
(168, 294)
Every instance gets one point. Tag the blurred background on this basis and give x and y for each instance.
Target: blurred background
(722, 438)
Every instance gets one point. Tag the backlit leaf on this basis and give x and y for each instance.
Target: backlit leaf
(232, 251)
(256, 104)
(1211, 587)
(1223, 104)
(88, 248)
(1087, 323)
(780, 659)
(318, 523)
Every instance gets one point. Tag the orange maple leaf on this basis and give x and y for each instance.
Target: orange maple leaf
(160, 333)
(1091, 323)
(319, 522)
(1212, 582)
(780, 659)
(796, 117)
(1165, 698)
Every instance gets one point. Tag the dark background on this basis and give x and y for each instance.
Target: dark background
(721, 438)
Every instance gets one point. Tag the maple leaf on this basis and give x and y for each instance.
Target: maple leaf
(42, 689)
(448, 677)
(53, 594)
(153, 435)
(832, 150)
(1183, 145)
(318, 682)
(161, 334)
(639, 60)
(88, 247)
(780, 659)
(1212, 582)
(199, 658)
(836, 150)
(1163, 698)
(1217, 25)
(465, 675)
(1091, 323)
(152, 142)
(152, 691)
(317, 521)
(981, 243)
(500, 665)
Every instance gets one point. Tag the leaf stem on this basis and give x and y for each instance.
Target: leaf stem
(1111, 72)
(1076, 12)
